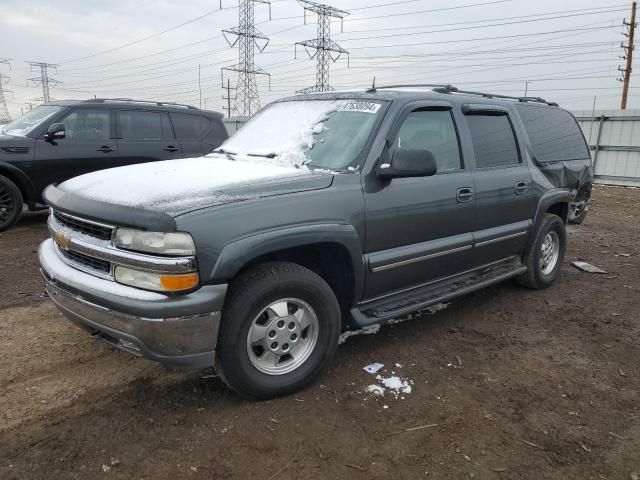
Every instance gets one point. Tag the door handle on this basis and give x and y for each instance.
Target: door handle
(105, 149)
(464, 194)
(521, 187)
(171, 148)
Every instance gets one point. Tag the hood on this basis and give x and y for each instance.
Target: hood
(180, 186)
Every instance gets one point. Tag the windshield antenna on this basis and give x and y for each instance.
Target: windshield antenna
(373, 85)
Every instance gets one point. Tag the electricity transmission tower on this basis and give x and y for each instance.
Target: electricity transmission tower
(326, 50)
(44, 81)
(628, 56)
(4, 110)
(248, 39)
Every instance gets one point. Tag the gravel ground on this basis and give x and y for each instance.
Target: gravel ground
(507, 383)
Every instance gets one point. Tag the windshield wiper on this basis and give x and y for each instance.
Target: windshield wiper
(267, 155)
(226, 152)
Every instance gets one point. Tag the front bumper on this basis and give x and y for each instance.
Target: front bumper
(179, 330)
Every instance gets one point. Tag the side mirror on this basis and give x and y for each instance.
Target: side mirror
(56, 131)
(409, 163)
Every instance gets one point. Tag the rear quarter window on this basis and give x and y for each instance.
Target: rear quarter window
(189, 127)
(554, 134)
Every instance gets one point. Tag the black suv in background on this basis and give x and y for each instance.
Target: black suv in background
(60, 140)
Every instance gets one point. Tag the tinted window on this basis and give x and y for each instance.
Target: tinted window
(554, 134)
(189, 127)
(493, 141)
(432, 130)
(86, 124)
(140, 125)
(218, 133)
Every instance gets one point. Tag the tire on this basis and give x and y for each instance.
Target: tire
(10, 203)
(266, 302)
(541, 272)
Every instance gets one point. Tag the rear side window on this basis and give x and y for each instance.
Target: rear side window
(142, 125)
(218, 133)
(554, 134)
(432, 130)
(189, 127)
(494, 143)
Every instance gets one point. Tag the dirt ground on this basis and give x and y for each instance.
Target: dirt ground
(508, 383)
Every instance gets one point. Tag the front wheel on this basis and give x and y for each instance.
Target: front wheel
(280, 328)
(10, 203)
(545, 255)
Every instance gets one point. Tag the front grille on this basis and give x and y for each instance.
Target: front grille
(86, 261)
(86, 228)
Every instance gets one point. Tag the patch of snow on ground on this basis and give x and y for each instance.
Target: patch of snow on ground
(370, 330)
(376, 390)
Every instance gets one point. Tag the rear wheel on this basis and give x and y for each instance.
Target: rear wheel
(280, 328)
(10, 203)
(545, 255)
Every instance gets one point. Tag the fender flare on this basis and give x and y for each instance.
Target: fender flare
(551, 197)
(237, 254)
(24, 182)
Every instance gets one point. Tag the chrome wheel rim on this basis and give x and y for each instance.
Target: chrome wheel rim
(549, 252)
(282, 336)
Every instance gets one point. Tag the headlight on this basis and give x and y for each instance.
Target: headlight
(172, 243)
(156, 281)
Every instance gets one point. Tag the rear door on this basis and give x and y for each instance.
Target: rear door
(145, 136)
(89, 145)
(504, 201)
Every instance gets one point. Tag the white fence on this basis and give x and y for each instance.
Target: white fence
(614, 139)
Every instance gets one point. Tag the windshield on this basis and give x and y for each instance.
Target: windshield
(328, 134)
(32, 119)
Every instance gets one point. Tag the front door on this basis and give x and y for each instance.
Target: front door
(88, 146)
(504, 201)
(419, 229)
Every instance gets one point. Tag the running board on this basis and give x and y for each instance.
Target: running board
(379, 310)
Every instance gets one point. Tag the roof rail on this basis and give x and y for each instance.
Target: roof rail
(413, 85)
(451, 89)
(447, 88)
(148, 102)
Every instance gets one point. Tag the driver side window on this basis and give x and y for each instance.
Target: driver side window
(435, 131)
(86, 125)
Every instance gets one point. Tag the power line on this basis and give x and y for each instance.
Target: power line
(326, 50)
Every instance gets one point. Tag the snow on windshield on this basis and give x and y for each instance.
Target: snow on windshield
(285, 132)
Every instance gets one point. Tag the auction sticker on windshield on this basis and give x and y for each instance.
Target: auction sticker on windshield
(365, 107)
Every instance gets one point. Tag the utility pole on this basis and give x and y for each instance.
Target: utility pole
(228, 98)
(44, 81)
(248, 39)
(628, 56)
(199, 86)
(4, 110)
(326, 51)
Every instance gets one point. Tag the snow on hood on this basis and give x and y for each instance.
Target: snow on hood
(174, 186)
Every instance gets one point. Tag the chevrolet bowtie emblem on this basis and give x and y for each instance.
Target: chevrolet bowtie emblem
(62, 240)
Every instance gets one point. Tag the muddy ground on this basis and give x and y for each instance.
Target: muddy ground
(512, 383)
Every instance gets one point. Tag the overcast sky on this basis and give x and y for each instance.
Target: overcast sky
(567, 50)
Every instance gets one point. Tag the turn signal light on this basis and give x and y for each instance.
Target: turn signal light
(175, 283)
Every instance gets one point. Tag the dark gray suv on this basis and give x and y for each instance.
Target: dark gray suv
(60, 140)
(325, 212)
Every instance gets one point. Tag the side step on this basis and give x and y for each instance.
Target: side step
(398, 304)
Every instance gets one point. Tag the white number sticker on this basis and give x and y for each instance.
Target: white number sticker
(365, 107)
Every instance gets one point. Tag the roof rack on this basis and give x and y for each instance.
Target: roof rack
(447, 88)
(148, 102)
